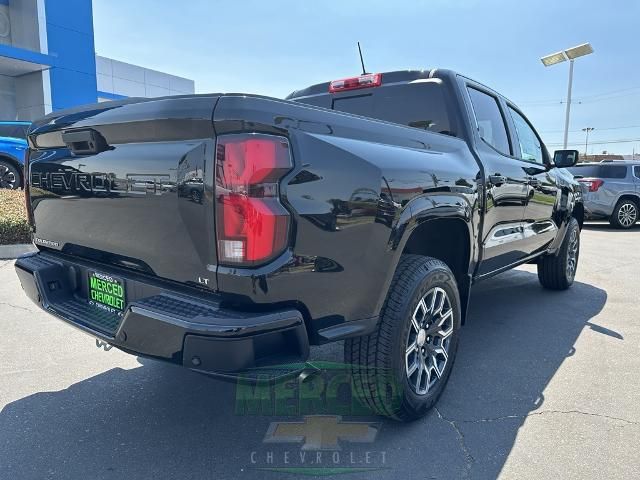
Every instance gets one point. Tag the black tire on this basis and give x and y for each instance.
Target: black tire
(554, 271)
(379, 363)
(9, 175)
(196, 196)
(626, 213)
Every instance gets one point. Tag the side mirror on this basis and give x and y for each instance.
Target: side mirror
(565, 158)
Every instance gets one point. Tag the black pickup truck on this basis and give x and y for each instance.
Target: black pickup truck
(361, 210)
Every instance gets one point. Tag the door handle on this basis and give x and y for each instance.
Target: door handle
(497, 179)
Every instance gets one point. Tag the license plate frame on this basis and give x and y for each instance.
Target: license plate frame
(106, 292)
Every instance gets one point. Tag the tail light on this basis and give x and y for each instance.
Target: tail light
(592, 184)
(354, 83)
(251, 224)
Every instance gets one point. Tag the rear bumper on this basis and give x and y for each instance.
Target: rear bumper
(162, 320)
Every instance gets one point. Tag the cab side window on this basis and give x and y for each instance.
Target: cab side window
(636, 171)
(489, 120)
(530, 148)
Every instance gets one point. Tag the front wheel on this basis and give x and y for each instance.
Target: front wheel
(557, 272)
(9, 176)
(401, 369)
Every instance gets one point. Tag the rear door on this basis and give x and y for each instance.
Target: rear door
(539, 228)
(636, 177)
(505, 182)
(618, 179)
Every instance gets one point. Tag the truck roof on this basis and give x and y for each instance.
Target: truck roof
(388, 77)
(395, 76)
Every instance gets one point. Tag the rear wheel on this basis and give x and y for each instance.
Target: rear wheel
(625, 215)
(9, 175)
(557, 272)
(401, 369)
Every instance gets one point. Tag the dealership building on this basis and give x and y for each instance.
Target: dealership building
(48, 62)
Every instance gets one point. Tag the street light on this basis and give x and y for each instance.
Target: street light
(571, 54)
(586, 142)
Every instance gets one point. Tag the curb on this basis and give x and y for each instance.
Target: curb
(10, 252)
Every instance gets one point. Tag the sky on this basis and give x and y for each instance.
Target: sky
(272, 47)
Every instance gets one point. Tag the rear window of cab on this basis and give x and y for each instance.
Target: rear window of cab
(421, 104)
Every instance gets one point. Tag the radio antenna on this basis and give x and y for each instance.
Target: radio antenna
(364, 71)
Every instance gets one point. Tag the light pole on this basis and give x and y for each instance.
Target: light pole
(586, 141)
(570, 54)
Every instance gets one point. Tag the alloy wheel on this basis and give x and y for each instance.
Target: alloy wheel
(572, 253)
(7, 177)
(627, 214)
(429, 339)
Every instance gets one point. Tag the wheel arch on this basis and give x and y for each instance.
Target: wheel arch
(578, 213)
(448, 239)
(629, 196)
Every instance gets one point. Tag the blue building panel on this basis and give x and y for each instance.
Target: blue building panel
(29, 56)
(111, 96)
(70, 89)
(71, 14)
(70, 41)
(74, 50)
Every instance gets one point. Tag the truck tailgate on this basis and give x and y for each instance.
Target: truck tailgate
(129, 183)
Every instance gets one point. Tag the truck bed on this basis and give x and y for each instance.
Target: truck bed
(128, 201)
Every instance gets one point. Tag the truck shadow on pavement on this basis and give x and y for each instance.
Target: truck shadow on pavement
(159, 421)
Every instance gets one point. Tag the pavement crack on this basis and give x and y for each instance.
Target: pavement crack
(547, 412)
(18, 307)
(469, 460)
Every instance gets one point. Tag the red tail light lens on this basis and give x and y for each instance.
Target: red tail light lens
(354, 83)
(251, 223)
(593, 184)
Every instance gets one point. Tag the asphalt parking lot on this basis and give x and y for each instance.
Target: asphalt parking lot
(546, 384)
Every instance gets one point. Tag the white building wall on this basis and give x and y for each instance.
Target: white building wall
(24, 16)
(128, 80)
(25, 96)
(5, 25)
(7, 98)
(30, 97)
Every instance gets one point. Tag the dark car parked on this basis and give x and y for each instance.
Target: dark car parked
(362, 209)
